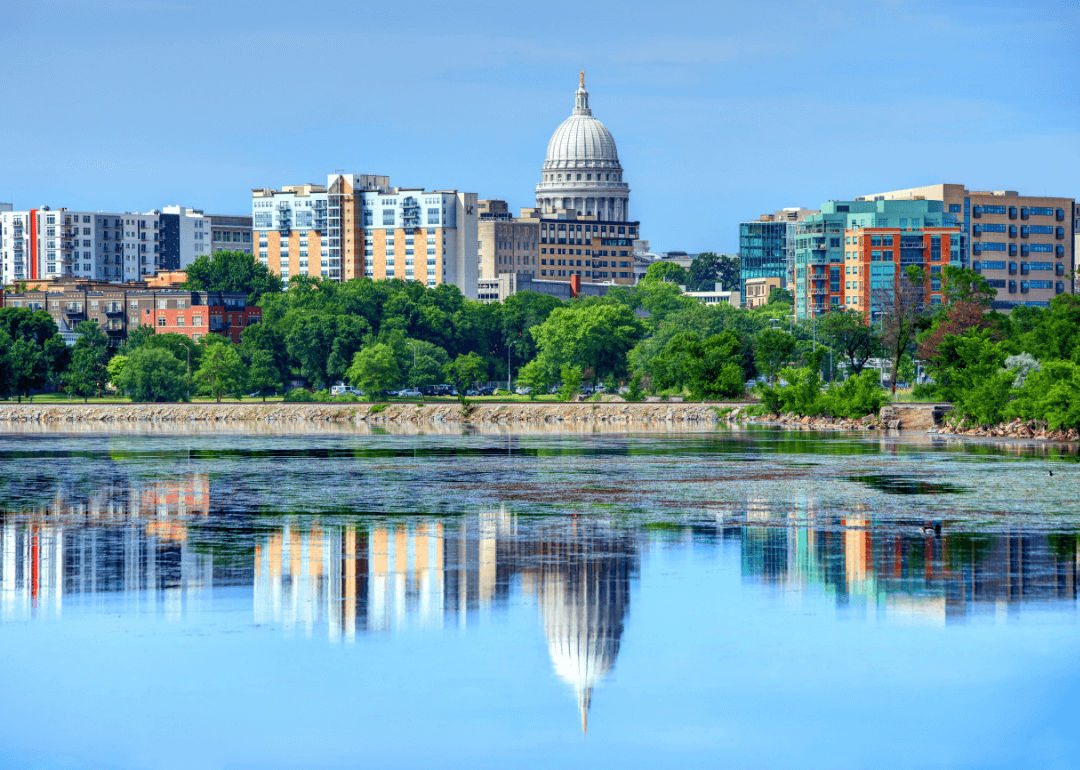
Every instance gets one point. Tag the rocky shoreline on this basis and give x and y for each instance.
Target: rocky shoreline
(489, 416)
(576, 415)
(1024, 429)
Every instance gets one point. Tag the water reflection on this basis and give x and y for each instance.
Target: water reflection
(160, 547)
(910, 571)
(443, 572)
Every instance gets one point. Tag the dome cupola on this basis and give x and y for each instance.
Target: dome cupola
(582, 170)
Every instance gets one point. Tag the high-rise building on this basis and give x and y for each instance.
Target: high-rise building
(357, 225)
(1021, 244)
(45, 243)
(583, 201)
(821, 251)
(767, 251)
(508, 244)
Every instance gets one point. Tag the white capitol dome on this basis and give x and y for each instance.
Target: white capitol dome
(582, 170)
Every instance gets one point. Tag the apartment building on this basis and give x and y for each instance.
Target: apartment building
(1025, 246)
(357, 225)
(507, 244)
(875, 257)
(45, 243)
(118, 309)
(822, 266)
(767, 249)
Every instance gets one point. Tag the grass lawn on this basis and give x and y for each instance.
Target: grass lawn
(64, 398)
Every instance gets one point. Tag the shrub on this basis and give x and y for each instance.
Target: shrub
(299, 395)
(855, 397)
(1050, 394)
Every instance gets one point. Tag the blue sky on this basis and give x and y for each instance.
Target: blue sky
(721, 110)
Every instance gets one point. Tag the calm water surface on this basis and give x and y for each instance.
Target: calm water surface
(738, 598)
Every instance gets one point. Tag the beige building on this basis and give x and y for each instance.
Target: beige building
(1023, 245)
(759, 289)
(507, 244)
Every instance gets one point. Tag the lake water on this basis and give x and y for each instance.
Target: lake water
(739, 598)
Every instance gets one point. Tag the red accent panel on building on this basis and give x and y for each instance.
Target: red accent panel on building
(575, 285)
(33, 245)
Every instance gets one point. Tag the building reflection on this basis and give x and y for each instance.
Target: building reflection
(127, 539)
(156, 547)
(906, 568)
(389, 577)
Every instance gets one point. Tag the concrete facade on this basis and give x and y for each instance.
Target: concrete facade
(45, 243)
(507, 244)
(1021, 244)
(507, 284)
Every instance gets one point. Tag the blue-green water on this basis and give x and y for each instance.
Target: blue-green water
(741, 598)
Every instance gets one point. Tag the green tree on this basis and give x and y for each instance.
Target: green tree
(902, 307)
(7, 384)
(263, 376)
(136, 338)
(595, 335)
(465, 371)
(373, 369)
(773, 350)
(704, 272)
(778, 296)
(851, 337)
(153, 374)
(232, 271)
(86, 374)
(571, 382)
(28, 369)
(115, 369)
(669, 272)
(534, 376)
(221, 371)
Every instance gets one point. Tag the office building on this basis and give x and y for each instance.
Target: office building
(1021, 244)
(508, 244)
(821, 256)
(767, 248)
(357, 225)
(573, 245)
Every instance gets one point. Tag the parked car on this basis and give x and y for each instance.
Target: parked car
(341, 390)
(410, 393)
(523, 391)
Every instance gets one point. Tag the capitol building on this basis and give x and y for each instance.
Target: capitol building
(580, 232)
(582, 170)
